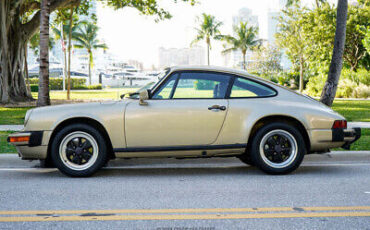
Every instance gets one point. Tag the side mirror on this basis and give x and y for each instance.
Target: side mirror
(144, 95)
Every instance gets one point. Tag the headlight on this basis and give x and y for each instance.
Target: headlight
(27, 117)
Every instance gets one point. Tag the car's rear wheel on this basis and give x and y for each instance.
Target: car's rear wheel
(278, 148)
(79, 150)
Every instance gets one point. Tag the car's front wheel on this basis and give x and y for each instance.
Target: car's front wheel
(79, 150)
(278, 148)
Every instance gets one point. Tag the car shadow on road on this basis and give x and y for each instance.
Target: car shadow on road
(197, 172)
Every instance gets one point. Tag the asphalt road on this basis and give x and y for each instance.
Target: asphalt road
(330, 191)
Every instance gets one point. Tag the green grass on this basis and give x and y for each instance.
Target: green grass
(353, 110)
(5, 147)
(364, 142)
(12, 116)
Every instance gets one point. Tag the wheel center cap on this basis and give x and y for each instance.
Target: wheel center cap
(79, 150)
(277, 148)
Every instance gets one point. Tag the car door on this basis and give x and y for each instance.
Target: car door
(187, 109)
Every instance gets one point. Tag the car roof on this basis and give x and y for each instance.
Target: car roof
(219, 69)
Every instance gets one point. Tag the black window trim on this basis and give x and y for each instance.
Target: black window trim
(228, 91)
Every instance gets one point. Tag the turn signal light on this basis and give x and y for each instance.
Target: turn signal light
(340, 124)
(19, 139)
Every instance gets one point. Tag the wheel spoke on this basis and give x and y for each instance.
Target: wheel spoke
(271, 142)
(269, 152)
(86, 156)
(86, 145)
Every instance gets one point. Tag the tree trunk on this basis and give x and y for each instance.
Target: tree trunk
(65, 66)
(301, 69)
(90, 60)
(69, 53)
(208, 48)
(12, 64)
(43, 97)
(331, 84)
(26, 70)
(244, 65)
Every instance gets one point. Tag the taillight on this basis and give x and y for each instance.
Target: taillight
(340, 124)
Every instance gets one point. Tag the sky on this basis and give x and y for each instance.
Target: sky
(130, 35)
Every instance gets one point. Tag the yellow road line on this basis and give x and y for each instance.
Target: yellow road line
(198, 210)
(184, 217)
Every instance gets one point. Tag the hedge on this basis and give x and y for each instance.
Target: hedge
(34, 87)
(204, 85)
(57, 83)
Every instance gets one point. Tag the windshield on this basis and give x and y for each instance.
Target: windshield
(150, 85)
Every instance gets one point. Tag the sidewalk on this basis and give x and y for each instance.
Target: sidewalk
(11, 127)
(363, 125)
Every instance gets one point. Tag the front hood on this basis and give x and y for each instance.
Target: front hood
(69, 107)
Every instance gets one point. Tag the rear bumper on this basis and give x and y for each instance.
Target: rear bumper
(325, 139)
(349, 136)
(33, 148)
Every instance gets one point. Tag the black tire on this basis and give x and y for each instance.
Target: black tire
(99, 160)
(268, 166)
(246, 159)
(47, 163)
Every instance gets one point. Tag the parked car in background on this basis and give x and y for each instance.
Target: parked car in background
(191, 112)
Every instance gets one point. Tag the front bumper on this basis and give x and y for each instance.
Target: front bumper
(349, 136)
(33, 146)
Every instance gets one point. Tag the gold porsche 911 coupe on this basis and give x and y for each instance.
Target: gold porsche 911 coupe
(190, 112)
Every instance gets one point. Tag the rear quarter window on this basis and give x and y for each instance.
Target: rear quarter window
(244, 88)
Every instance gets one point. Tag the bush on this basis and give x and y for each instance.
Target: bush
(204, 85)
(34, 87)
(362, 91)
(315, 85)
(345, 88)
(361, 76)
(57, 83)
(98, 86)
(351, 84)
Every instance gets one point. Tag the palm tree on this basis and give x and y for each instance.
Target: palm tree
(43, 95)
(85, 37)
(62, 34)
(245, 39)
(330, 87)
(208, 29)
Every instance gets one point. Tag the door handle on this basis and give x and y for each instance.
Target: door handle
(217, 107)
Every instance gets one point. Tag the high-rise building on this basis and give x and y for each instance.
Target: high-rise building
(235, 59)
(184, 56)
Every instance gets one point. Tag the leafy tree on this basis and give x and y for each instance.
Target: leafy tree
(86, 38)
(266, 61)
(319, 28)
(208, 29)
(245, 39)
(366, 41)
(20, 20)
(292, 39)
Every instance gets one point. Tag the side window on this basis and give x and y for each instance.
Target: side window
(201, 85)
(246, 88)
(164, 92)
